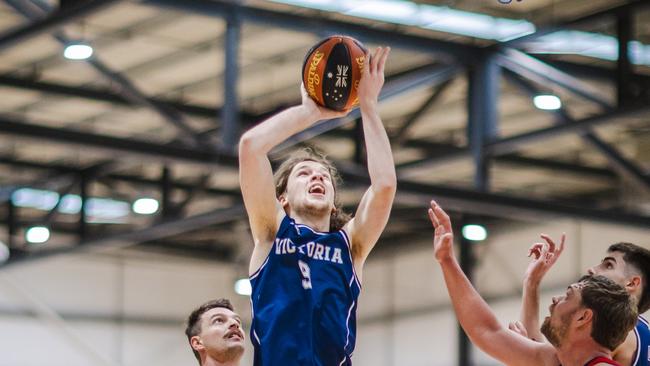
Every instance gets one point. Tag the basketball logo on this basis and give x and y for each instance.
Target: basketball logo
(332, 70)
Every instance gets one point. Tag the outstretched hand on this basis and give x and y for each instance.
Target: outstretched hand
(319, 112)
(443, 240)
(544, 257)
(372, 78)
(518, 328)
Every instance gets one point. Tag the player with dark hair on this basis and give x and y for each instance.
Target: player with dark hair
(215, 335)
(626, 264)
(585, 324)
(307, 262)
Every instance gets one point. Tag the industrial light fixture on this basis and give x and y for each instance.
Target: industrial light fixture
(77, 51)
(474, 232)
(547, 102)
(37, 234)
(4, 252)
(243, 287)
(145, 206)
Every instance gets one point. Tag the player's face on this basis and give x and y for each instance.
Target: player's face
(310, 187)
(221, 334)
(555, 326)
(612, 267)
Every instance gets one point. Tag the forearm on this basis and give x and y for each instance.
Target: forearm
(472, 311)
(381, 167)
(273, 131)
(529, 316)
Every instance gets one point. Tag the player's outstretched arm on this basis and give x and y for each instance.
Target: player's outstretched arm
(373, 211)
(473, 313)
(544, 256)
(255, 172)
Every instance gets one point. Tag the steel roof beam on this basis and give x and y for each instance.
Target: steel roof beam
(509, 144)
(141, 148)
(550, 28)
(319, 25)
(126, 87)
(53, 22)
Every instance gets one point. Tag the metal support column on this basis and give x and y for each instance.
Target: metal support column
(166, 186)
(12, 227)
(624, 79)
(230, 111)
(467, 265)
(482, 115)
(84, 181)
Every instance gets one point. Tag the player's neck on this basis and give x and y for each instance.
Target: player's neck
(209, 361)
(318, 223)
(579, 352)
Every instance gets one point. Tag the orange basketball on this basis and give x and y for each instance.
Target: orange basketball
(332, 70)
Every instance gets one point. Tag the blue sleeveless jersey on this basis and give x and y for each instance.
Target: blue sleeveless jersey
(304, 299)
(642, 332)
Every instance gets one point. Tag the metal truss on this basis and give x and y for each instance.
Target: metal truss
(484, 65)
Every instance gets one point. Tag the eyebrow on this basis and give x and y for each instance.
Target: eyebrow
(609, 259)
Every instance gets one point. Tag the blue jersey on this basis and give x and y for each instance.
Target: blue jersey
(304, 299)
(642, 332)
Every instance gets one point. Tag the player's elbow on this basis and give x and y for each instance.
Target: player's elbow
(248, 144)
(385, 185)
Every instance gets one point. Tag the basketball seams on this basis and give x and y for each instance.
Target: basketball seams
(334, 63)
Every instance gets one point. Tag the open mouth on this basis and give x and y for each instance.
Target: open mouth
(317, 189)
(237, 336)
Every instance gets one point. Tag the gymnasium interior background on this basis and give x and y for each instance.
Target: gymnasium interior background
(119, 201)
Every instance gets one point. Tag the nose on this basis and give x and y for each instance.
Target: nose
(317, 176)
(590, 271)
(233, 324)
(555, 300)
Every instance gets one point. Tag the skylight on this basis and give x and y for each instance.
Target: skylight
(445, 19)
(99, 210)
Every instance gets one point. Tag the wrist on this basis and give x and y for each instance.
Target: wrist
(446, 260)
(308, 113)
(531, 282)
(369, 105)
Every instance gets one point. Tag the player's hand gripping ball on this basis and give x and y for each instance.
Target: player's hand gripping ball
(332, 70)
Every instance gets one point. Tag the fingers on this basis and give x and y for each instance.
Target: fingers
(550, 242)
(562, 239)
(432, 217)
(366, 64)
(441, 216)
(536, 250)
(382, 62)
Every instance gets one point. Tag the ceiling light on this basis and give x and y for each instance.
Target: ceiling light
(77, 51)
(4, 252)
(243, 287)
(474, 232)
(547, 102)
(145, 206)
(37, 234)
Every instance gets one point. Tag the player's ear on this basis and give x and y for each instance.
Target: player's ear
(583, 316)
(197, 343)
(633, 283)
(283, 200)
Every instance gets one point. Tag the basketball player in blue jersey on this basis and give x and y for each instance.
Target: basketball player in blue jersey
(585, 324)
(306, 266)
(626, 264)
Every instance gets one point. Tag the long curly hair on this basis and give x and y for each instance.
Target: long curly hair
(338, 218)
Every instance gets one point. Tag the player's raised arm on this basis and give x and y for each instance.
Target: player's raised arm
(473, 313)
(255, 172)
(374, 208)
(544, 256)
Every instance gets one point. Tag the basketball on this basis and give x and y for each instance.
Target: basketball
(332, 70)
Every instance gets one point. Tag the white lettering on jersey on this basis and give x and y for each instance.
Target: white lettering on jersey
(313, 250)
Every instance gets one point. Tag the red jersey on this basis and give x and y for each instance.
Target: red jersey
(601, 359)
